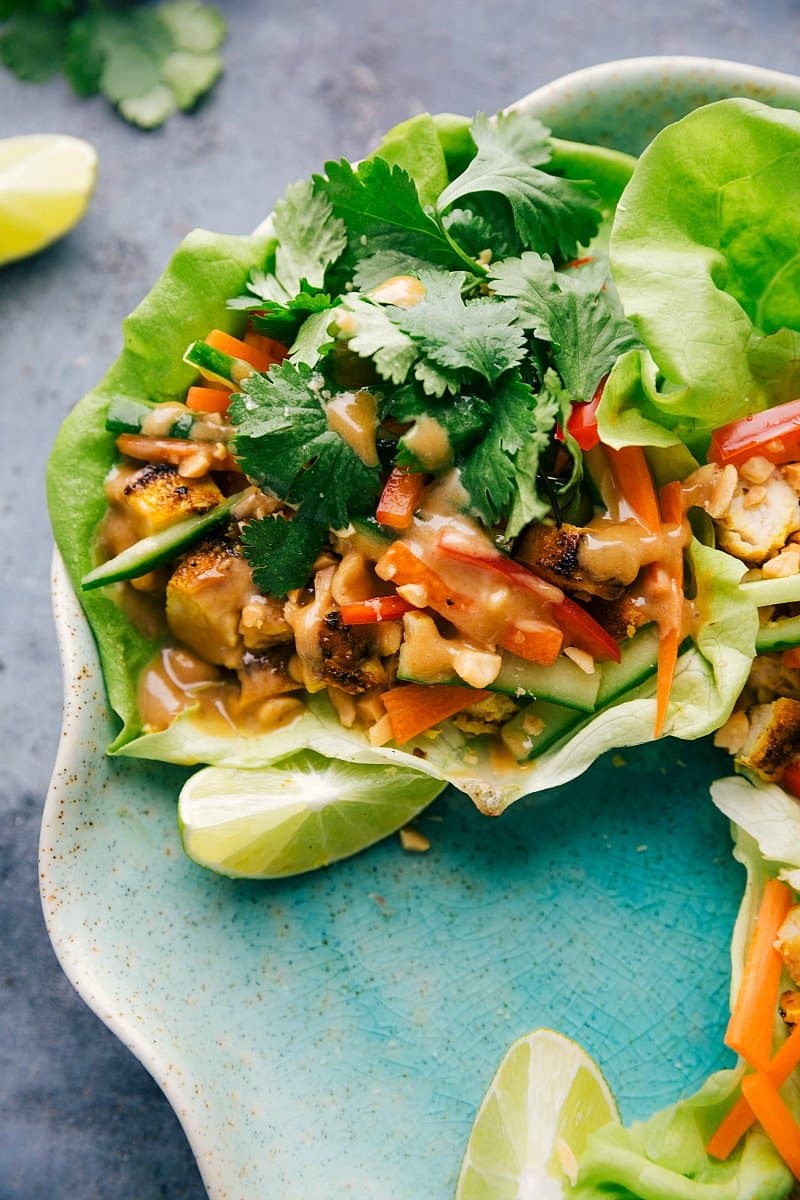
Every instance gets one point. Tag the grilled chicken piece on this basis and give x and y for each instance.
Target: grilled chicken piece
(789, 1007)
(770, 678)
(555, 553)
(759, 519)
(348, 656)
(329, 652)
(773, 738)
(144, 500)
(621, 617)
(263, 676)
(788, 942)
(208, 598)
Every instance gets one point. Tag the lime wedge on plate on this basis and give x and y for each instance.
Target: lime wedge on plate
(303, 813)
(531, 1128)
(46, 182)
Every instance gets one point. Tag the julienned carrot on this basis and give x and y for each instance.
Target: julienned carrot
(208, 399)
(671, 503)
(635, 485)
(774, 1117)
(399, 498)
(791, 658)
(416, 707)
(750, 1028)
(738, 1119)
(236, 348)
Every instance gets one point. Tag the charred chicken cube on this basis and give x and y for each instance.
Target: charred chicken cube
(146, 499)
(788, 942)
(206, 595)
(773, 737)
(760, 519)
(789, 1007)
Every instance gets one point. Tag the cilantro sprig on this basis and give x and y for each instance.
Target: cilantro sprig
(494, 339)
(148, 61)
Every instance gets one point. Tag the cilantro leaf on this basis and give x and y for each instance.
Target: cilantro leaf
(578, 313)
(370, 334)
(285, 445)
(377, 268)
(500, 472)
(313, 339)
(473, 230)
(33, 46)
(282, 321)
(380, 206)
(479, 336)
(281, 552)
(310, 237)
(552, 215)
(147, 60)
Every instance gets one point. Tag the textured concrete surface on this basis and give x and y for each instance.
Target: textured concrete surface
(79, 1118)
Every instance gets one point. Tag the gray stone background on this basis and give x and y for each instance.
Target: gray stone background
(304, 81)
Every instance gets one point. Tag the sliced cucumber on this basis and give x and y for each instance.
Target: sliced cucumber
(127, 416)
(639, 662)
(216, 365)
(158, 548)
(370, 538)
(783, 634)
(562, 682)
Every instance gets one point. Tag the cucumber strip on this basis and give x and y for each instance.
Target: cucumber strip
(215, 365)
(158, 548)
(562, 682)
(127, 416)
(761, 592)
(639, 663)
(371, 538)
(778, 635)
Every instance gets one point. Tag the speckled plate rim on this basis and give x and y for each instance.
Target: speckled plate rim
(83, 692)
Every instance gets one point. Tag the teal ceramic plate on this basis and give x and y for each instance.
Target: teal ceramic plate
(333, 1035)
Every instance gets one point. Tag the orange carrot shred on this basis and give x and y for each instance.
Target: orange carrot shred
(775, 1118)
(238, 349)
(738, 1119)
(267, 345)
(399, 498)
(750, 1028)
(208, 400)
(635, 485)
(415, 707)
(791, 658)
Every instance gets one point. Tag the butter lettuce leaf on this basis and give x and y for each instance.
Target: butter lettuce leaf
(188, 300)
(704, 252)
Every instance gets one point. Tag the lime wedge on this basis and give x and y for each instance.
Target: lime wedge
(305, 812)
(531, 1128)
(46, 181)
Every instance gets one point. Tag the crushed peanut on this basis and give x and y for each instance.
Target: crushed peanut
(720, 500)
(413, 841)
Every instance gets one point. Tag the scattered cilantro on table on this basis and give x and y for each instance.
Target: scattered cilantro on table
(147, 60)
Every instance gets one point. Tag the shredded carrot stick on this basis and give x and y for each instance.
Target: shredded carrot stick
(738, 1119)
(635, 485)
(671, 574)
(377, 608)
(399, 498)
(208, 399)
(750, 1028)
(774, 1118)
(236, 348)
(791, 658)
(415, 707)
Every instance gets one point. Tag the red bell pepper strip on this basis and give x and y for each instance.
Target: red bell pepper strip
(774, 434)
(791, 778)
(370, 612)
(582, 630)
(399, 498)
(582, 423)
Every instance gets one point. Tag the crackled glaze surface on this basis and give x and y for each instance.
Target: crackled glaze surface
(333, 1035)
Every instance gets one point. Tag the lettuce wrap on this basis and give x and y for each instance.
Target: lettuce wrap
(465, 184)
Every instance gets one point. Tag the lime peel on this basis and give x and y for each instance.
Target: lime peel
(46, 182)
(296, 815)
(546, 1097)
